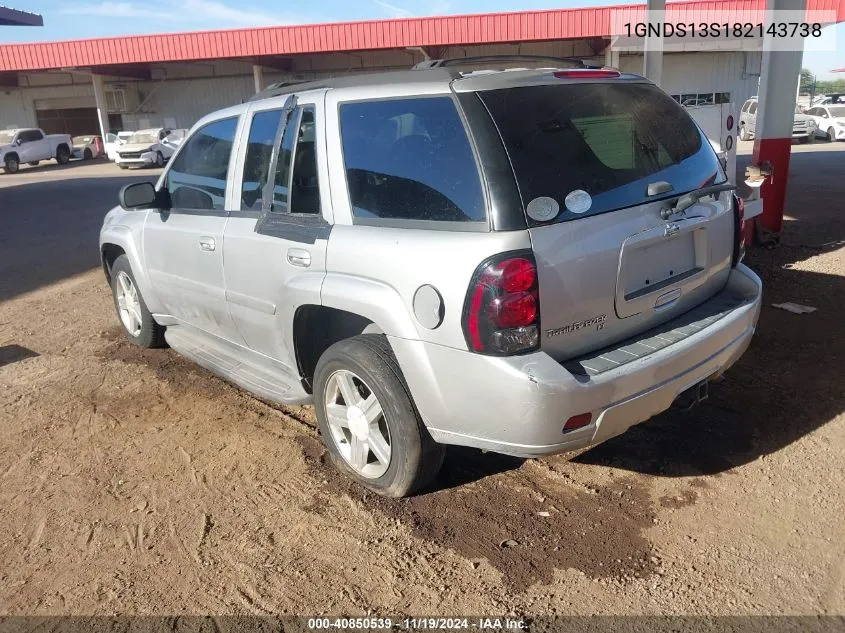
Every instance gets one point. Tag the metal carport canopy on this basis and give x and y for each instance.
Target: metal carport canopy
(525, 26)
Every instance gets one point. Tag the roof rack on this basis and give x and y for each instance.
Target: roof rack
(572, 62)
(281, 88)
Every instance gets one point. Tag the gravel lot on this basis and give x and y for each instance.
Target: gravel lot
(134, 482)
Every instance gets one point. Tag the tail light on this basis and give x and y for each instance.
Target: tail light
(502, 308)
(739, 231)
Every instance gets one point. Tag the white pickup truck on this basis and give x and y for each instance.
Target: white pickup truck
(31, 145)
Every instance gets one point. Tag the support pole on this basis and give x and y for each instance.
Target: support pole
(100, 102)
(775, 120)
(653, 53)
(611, 56)
(258, 77)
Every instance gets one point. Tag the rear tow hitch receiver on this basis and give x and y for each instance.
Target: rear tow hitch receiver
(692, 396)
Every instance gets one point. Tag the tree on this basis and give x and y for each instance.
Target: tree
(807, 81)
(827, 87)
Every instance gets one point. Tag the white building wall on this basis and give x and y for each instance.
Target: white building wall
(179, 94)
(735, 72)
(181, 102)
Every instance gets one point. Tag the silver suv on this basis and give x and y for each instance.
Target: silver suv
(525, 261)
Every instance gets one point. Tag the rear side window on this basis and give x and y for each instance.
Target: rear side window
(259, 151)
(295, 186)
(197, 179)
(593, 148)
(410, 159)
(752, 109)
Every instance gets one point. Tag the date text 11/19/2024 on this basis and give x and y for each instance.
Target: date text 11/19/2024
(416, 624)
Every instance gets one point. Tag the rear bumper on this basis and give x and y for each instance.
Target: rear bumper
(518, 405)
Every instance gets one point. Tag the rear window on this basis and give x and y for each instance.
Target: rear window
(593, 148)
(410, 159)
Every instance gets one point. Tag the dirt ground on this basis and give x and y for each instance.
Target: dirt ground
(134, 482)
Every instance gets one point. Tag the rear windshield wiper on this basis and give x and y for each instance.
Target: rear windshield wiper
(688, 199)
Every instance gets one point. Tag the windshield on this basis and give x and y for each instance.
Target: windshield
(6, 136)
(837, 112)
(593, 148)
(143, 137)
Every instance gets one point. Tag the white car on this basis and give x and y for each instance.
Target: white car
(113, 140)
(87, 147)
(829, 120)
(145, 148)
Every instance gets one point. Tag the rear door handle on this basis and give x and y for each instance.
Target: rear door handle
(299, 257)
(207, 243)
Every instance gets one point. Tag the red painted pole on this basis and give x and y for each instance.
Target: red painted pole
(775, 120)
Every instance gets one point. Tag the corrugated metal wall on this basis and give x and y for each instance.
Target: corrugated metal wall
(182, 101)
(731, 71)
(186, 100)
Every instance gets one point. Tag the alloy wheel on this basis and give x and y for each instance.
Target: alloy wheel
(357, 424)
(128, 304)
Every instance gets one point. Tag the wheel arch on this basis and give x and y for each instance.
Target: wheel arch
(118, 240)
(318, 327)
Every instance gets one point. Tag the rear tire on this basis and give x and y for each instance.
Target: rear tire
(159, 160)
(413, 458)
(136, 319)
(11, 165)
(62, 155)
(743, 133)
(34, 163)
(87, 154)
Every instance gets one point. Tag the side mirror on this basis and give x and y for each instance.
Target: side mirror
(138, 195)
(18, 142)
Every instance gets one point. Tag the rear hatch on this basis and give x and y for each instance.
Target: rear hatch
(596, 161)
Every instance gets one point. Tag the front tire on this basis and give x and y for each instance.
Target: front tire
(368, 420)
(743, 133)
(159, 160)
(87, 154)
(831, 135)
(136, 319)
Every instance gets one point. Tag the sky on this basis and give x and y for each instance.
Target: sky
(74, 19)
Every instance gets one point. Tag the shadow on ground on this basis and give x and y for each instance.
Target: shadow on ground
(50, 228)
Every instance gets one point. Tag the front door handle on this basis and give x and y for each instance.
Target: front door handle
(207, 243)
(299, 257)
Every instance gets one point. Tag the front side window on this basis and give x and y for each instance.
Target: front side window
(410, 159)
(594, 148)
(259, 152)
(197, 178)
